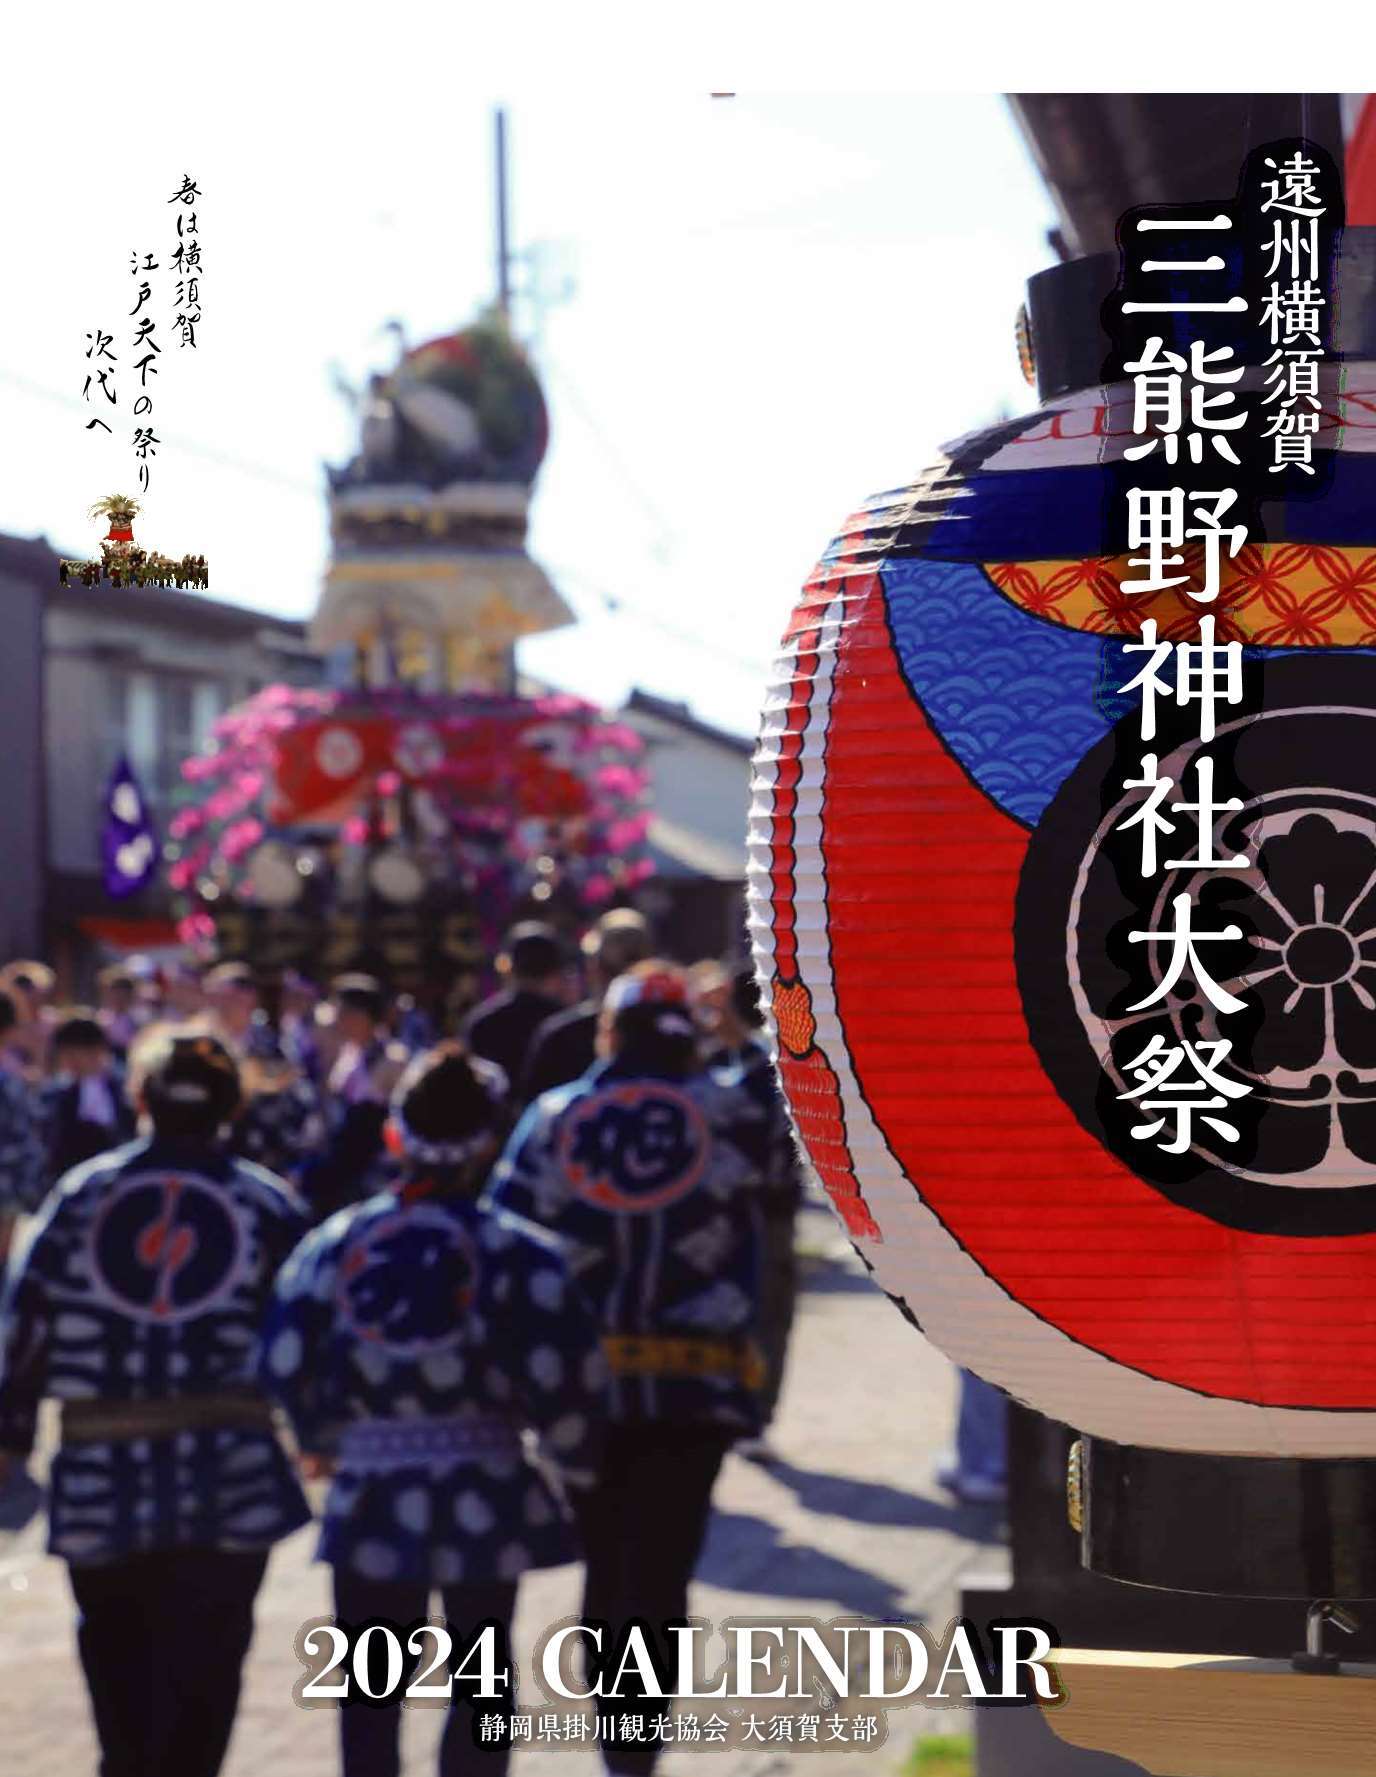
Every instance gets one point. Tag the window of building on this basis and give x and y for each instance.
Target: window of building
(156, 721)
(208, 704)
(131, 721)
(176, 721)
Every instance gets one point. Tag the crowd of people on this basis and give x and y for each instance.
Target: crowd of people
(514, 1290)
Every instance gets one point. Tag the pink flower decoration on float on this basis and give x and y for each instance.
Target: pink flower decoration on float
(196, 930)
(562, 703)
(619, 780)
(184, 872)
(622, 835)
(223, 804)
(183, 825)
(240, 839)
(621, 735)
(579, 787)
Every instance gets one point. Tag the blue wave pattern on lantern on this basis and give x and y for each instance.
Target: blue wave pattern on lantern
(1016, 699)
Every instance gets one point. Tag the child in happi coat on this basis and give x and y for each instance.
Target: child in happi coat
(135, 1300)
(412, 1339)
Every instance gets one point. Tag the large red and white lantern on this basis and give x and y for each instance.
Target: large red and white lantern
(933, 898)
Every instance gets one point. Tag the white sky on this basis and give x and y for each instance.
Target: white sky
(782, 305)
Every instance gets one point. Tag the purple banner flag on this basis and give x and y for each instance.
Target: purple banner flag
(128, 840)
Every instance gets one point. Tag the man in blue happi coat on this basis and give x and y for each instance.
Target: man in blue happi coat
(135, 1300)
(649, 1171)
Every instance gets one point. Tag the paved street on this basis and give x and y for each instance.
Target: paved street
(848, 1523)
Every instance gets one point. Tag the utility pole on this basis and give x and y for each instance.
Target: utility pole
(503, 245)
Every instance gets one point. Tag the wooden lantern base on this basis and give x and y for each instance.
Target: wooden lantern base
(1207, 1715)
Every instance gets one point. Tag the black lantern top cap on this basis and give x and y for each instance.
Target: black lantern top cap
(1065, 307)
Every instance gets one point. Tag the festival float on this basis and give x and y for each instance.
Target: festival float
(400, 817)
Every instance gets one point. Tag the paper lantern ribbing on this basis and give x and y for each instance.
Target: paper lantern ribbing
(933, 893)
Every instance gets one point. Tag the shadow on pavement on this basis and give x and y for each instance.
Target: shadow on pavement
(21, 1501)
(746, 1554)
(875, 1502)
(826, 1275)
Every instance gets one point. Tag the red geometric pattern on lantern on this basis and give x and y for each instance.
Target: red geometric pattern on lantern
(793, 1017)
(1276, 595)
(814, 1092)
(922, 872)
(814, 1095)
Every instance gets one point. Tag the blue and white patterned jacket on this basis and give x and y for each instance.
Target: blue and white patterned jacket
(23, 1151)
(414, 1337)
(752, 1068)
(144, 1278)
(653, 1185)
(282, 1130)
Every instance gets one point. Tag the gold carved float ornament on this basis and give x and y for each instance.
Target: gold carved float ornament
(446, 619)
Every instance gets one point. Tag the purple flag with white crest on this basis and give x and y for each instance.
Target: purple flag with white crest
(128, 841)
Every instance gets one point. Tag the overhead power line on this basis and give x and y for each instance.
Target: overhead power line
(668, 536)
(616, 606)
(611, 603)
